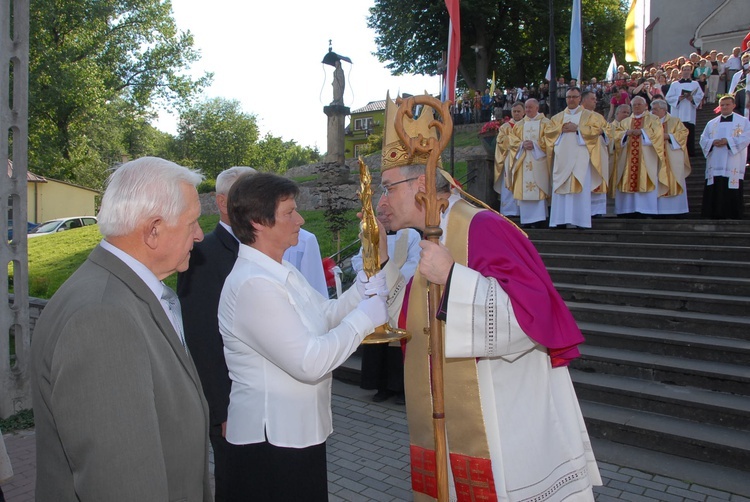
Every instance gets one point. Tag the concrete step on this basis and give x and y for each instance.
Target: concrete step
(666, 225)
(707, 375)
(701, 252)
(732, 286)
(684, 438)
(679, 301)
(697, 405)
(663, 319)
(667, 343)
(685, 265)
(634, 237)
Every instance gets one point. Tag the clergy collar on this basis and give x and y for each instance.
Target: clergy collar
(572, 112)
(726, 118)
(536, 117)
(639, 116)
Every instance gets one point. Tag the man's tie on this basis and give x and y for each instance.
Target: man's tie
(175, 312)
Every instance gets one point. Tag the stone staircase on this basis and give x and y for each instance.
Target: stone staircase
(665, 309)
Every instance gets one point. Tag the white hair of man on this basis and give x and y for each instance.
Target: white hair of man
(226, 178)
(141, 189)
(660, 104)
(638, 99)
(624, 107)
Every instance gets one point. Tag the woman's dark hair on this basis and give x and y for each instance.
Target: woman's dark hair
(253, 199)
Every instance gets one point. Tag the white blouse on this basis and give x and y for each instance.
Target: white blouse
(282, 339)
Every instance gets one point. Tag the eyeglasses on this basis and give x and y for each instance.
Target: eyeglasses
(575, 96)
(387, 188)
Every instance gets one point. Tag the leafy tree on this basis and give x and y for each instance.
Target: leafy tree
(276, 155)
(510, 37)
(93, 62)
(216, 134)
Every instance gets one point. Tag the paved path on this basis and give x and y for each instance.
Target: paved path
(368, 460)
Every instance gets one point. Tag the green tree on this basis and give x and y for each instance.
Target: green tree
(274, 154)
(216, 134)
(92, 62)
(510, 37)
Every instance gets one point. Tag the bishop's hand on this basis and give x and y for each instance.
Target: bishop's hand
(435, 262)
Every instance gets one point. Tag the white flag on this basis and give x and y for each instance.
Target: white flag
(611, 70)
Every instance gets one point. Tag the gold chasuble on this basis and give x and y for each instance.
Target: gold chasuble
(676, 159)
(639, 166)
(467, 441)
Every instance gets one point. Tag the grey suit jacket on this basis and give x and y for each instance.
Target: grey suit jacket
(119, 410)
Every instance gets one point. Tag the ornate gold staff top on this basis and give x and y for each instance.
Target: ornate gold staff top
(370, 237)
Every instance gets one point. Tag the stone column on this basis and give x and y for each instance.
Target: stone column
(14, 309)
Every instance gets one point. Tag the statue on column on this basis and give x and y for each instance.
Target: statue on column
(336, 111)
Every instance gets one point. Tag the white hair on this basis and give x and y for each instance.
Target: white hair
(141, 189)
(639, 99)
(226, 178)
(660, 104)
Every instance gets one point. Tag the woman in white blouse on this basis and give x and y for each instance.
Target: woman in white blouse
(282, 339)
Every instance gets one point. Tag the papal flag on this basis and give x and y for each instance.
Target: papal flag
(611, 70)
(492, 85)
(635, 31)
(576, 43)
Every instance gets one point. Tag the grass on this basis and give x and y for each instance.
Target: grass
(53, 258)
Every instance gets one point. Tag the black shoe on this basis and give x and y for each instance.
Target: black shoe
(381, 396)
(400, 399)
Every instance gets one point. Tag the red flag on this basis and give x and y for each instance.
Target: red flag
(454, 49)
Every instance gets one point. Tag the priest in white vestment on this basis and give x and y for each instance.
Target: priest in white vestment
(305, 256)
(639, 140)
(530, 179)
(724, 143)
(579, 183)
(676, 167)
(504, 155)
(684, 96)
(513, 424)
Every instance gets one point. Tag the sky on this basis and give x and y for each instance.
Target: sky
(267, 55)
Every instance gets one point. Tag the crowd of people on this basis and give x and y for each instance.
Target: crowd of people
(559, 171)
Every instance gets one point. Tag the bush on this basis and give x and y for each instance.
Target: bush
(207, 186)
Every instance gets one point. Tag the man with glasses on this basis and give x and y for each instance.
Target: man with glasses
(579, 172)
(510, 407)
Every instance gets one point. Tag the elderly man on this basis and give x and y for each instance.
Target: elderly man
(724, 142)
(684, 96)
(639, 142)
(530, 174)
(118, 405)
(199, 289)
(504, 155)
(579, 183)
(510, 408)
(676, 167)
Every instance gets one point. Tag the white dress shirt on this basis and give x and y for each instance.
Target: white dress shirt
(282, 339)
(305, 256)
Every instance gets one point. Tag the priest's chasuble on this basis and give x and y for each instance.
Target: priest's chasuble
(514, 428)
(504, 155)
(676, 167)
(640, 157)
(530, 175)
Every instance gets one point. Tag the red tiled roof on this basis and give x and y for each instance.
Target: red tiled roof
(372, 106)
(29, 175)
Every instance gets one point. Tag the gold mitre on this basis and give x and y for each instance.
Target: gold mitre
(395, 153)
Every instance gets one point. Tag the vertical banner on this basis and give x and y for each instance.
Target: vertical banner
(576, 43)
(454, 50)
(492, 85)
(635, 31)
(611, 70)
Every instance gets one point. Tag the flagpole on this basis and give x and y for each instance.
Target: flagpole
(552, 64)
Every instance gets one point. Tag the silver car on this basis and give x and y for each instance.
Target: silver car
(62, 224)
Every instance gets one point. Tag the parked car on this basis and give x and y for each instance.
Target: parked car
(62, 224)
(29, 227)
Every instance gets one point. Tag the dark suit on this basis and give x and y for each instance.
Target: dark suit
(119, 411)
(199, 289)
